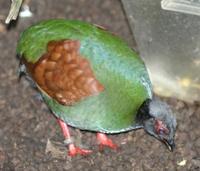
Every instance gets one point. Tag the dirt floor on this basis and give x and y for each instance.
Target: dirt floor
(30, 139)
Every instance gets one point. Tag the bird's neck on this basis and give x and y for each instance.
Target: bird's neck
(143, 112)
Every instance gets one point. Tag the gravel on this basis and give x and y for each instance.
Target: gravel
(30, 139)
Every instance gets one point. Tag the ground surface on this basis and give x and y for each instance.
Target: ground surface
(30, 136)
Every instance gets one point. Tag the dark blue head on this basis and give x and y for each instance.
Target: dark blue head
(158, 120)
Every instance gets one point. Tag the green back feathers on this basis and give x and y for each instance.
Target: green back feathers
(114, 64)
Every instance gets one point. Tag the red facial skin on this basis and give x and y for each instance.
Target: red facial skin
(160, 127)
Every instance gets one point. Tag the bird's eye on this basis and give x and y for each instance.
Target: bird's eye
(161, 131)
(160, 128)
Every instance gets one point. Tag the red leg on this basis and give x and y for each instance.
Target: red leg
(73, 150)
(103, 140)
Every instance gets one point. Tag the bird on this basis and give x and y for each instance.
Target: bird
(92, 80)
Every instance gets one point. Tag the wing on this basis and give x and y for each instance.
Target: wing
(64, 74)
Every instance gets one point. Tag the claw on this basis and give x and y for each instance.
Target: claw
(73, 151)
(105, 141)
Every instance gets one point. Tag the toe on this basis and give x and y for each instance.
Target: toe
(73, 151)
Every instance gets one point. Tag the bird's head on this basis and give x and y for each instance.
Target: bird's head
(158, 121)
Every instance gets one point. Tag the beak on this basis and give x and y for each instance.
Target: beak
(170, 144)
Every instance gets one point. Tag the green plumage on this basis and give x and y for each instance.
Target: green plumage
(115, 65)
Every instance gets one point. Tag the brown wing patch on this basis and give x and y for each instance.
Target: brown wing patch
(64, 74)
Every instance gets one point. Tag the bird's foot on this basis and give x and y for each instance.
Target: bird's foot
(103, 140)
(73, 151)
